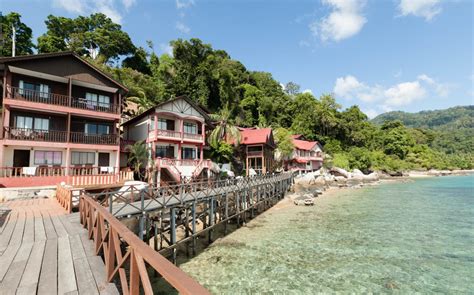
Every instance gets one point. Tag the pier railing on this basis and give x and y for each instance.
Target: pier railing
(133, 200)
(127, 257)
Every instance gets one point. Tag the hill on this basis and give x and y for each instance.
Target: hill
(448, 119)
(452, 129)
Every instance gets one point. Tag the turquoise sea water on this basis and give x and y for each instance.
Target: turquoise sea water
(396, 237)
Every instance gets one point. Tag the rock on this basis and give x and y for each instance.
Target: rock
(50, 193)
(374, 176)
(357, 172)
(336, 171)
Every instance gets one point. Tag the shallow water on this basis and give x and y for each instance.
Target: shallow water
(396, 237)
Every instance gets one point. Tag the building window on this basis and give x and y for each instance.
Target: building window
(48, 158)
(190, 128)
(94, 128)
(164, 151)
(41, 124)
(165, 124)
(254, 148)
(188, 153)
(152, 122)
(24, 122)
(82, 158)
(33, 89)
(98, 100)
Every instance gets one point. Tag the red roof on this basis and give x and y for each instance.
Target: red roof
(304, 144)
(256, 136)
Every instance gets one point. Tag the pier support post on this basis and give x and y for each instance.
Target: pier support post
(226, 200)
(211, 219)
(173, 231)
(193, 212)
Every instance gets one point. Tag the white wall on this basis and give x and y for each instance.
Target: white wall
(138, 131)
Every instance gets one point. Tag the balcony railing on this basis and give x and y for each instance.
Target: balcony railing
(35, 135)
(255, 154)
(47, 171)
(192, 136)
(174, 134)
(107, 139)
(60, 100)
(60, 136)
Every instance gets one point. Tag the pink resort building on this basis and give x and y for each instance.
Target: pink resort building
(307, 155)
(259, 148)
(60, 119)
(175, 133)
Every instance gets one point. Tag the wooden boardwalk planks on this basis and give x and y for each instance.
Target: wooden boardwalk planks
(44, 251)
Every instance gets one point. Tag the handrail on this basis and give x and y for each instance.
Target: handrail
(106, 139)
(35, 134)
(60, 136)
(111, 237)
(37, 96)
(61, 100)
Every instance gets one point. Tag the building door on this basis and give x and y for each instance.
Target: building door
(21, 158)
(104, 159)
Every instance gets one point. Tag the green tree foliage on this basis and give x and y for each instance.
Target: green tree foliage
(95, 35)
(23, 35)
(284, 142)
(225, 130)
(394, 141)
(138, 157)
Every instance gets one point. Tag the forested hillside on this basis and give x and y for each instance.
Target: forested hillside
(452, 129)
(236, 95)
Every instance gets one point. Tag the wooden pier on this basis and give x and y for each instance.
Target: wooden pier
(45, 250)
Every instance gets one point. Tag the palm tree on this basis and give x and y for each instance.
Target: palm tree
(142, 101)
(138, 157)
(225, 130)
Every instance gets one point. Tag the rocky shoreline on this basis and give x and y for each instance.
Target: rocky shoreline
(310, 185)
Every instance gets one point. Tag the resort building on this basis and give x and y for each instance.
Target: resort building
(175, 132)
(307, 155)
(60, 118)
(259, 147)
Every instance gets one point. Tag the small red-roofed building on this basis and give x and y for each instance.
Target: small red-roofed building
(259, 148)
(307, 155)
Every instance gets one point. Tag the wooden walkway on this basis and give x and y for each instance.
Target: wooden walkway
(45, 251)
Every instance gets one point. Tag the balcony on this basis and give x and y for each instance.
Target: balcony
(255, 154)
(16, 93)
(60, 136)
(171, 134)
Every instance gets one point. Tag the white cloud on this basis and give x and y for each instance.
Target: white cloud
(308, 91)
(112, 8)
(404, 94)
(69, 5)
(345, 20)
(398, 95)
(166, 48)
(128, 3)
(182, 27)
(371, 113)
(427, 9)
(182, 4)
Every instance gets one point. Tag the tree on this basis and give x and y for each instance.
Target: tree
(138, 157)
(284, 142)
(292, 88)
(23, 35)
(138, 61)
(142, 102)
(93, 36)
(224, 131)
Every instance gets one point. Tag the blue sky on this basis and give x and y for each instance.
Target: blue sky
(380, 54)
